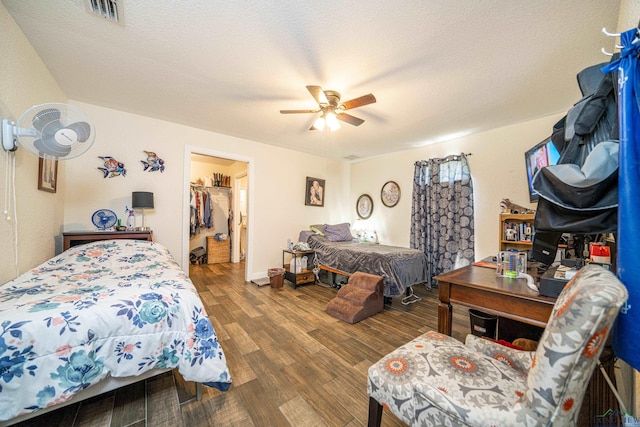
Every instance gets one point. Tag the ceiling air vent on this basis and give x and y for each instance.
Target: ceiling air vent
(351, 157)
(110, 10)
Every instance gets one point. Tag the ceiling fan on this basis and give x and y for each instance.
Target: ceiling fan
(332, 109)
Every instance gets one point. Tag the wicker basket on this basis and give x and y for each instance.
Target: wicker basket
(218, 251)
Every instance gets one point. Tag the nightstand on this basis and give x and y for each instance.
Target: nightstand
(302, 277)
(74, 238)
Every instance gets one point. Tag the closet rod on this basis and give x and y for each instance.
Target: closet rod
(200, 187)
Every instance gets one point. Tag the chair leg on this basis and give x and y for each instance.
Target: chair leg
(375, 413)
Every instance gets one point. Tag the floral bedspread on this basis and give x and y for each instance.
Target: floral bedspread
(113, 307)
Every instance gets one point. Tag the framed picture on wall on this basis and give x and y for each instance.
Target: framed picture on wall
(48, 174)
(314, 195)
(364, 206)
(390, 194)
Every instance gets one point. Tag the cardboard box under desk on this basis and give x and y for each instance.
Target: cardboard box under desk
(218, 252)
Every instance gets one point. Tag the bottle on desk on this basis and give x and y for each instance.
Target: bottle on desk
(131, 221)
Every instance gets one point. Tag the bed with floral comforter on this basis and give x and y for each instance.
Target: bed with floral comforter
(110, 308)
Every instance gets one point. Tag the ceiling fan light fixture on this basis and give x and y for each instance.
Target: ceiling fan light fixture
(332, 121)
(332, 110)
(319, 123)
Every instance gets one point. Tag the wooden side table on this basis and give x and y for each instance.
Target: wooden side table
(304, 276)
(74, 238)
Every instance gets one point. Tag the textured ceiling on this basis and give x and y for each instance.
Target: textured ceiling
(437, 68)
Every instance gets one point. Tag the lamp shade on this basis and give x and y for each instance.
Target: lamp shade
(142, 200)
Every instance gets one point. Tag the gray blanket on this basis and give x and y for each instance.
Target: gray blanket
(400, 267)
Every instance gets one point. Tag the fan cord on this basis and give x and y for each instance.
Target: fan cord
(10, 199)
(15, 211)
(7, 194)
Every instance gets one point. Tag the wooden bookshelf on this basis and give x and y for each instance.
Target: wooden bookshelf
(521, 235)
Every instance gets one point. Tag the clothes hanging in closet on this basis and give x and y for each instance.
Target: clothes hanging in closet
(210, 208)
(200, 211)
(207, 218)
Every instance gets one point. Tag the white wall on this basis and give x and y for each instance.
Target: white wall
(276, 191)
(25, 81)
(497, 169)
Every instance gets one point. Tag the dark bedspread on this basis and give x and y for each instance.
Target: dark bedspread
(400, 267)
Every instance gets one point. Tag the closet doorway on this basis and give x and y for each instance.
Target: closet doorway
(218, 205)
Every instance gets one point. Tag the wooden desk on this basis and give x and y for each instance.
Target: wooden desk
(480, 288)
(73, 238)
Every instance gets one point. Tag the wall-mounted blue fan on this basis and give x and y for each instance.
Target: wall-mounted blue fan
(104, 218)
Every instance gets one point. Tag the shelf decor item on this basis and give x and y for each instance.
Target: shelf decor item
(364, 206)
(390, 194)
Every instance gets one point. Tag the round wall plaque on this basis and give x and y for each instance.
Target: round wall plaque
(364, 206)
(390, 194)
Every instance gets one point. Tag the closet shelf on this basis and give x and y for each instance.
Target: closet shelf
(214, 186)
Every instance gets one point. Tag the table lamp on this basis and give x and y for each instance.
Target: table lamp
(142, 200)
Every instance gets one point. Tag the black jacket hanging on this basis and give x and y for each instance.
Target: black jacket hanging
(580, 194)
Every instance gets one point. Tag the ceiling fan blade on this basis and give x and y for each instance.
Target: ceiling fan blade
(359, 102)
(352, 120)
(297, 111)
(318, 94)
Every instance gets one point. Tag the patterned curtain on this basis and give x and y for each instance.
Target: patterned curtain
(442, 213)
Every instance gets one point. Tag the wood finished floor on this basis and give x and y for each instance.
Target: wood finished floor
(291, 363)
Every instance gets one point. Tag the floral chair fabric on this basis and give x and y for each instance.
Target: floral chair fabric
(436, 380)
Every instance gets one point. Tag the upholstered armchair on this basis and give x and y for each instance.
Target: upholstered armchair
(436, 380)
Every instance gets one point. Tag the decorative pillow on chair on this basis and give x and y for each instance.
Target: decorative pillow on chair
(317, 228)
(338, 232)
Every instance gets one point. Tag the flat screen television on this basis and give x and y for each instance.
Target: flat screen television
(541, 155)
